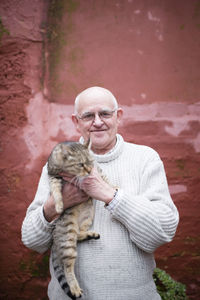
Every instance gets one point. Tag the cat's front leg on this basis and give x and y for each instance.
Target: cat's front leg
(56, 191)
(58, 203)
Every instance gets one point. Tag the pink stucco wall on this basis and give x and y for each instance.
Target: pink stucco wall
(147, 53)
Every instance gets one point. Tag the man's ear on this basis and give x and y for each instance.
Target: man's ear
(75, 121)
(119, 114)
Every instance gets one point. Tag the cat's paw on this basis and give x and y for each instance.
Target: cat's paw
(93, 235)
(71, 296)
(59, 207)
(97, 236)
(75, 292)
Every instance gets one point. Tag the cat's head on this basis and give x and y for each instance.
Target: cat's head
(72, 158)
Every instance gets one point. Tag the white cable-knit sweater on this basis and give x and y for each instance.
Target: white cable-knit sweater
(120, 264)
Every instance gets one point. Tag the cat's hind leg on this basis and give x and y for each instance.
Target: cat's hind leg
(69, 253)
(88, 235)
(84, 233)
(75, 290)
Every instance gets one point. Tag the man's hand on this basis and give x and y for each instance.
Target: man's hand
(96, 187)
(72, 195)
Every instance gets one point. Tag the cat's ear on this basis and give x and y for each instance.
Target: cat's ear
(88, 144)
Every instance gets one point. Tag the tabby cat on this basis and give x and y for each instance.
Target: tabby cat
(72, 158)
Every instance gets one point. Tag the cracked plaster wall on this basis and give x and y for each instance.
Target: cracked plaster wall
(147, 54)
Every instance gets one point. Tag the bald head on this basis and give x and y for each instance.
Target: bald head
(94, 93)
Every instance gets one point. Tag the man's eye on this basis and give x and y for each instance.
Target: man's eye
(105, 114)
(88, 117)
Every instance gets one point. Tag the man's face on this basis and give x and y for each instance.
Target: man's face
(101, 129)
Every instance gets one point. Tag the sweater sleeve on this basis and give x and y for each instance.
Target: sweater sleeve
(150, 216)
(36, 231)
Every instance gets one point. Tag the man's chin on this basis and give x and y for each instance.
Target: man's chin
(97, 134)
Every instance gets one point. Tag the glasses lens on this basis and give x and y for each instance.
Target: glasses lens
(88, 117)
(106, 114)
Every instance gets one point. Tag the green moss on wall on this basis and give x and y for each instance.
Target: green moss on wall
(182, 171)
(60, 34)
(3, 30)
(196, 13)
(35, 266)
(57, 9)
(180, 164)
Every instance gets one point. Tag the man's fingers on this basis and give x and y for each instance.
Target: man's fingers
(67, 178)
(66, 175)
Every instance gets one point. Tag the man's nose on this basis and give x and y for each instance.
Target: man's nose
(97, 120)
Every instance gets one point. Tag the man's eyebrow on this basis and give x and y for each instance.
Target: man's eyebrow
(87, 112)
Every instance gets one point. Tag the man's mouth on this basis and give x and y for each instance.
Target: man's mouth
(97, 130)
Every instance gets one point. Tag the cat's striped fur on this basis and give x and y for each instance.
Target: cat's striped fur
(73, 225)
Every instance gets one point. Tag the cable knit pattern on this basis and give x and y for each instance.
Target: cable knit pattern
(120, 264)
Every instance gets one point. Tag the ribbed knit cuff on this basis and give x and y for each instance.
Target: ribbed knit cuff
(111, 206)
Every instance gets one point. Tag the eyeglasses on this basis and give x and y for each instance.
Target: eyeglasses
(103, 114)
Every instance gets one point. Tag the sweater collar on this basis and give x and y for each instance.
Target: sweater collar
(112, 154)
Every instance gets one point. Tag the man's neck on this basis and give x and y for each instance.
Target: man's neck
(102, 151)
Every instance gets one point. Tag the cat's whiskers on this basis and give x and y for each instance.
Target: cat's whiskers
(73, 180)
(76, 180)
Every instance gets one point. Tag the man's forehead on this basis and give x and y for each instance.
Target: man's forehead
(95, 101)
(95, 92)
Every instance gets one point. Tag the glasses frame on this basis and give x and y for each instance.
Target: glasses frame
(99, 114)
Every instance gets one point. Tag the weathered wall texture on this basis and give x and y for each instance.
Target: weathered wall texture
(148, 54)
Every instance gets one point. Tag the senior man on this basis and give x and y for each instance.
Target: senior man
(132, 223)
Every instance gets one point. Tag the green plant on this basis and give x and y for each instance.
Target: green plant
(168, 288)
